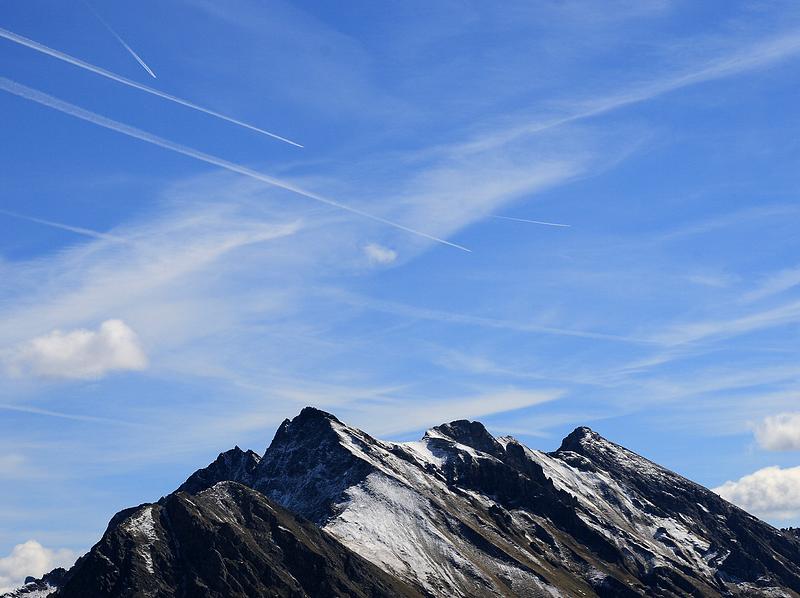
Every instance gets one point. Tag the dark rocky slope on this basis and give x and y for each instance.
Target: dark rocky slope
(227, 541)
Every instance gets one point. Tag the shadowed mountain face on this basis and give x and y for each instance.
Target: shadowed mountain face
(226, 541)
(233, 465)
(458, 513)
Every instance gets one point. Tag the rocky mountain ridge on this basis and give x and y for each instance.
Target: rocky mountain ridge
(457, 513)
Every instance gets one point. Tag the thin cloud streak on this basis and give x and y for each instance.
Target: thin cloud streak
(757, 55)
(774, 284)
(394, 417)
(118, 37)
(531, 221)
(422, 313)
(61, 415)
(29, 43)
(74, 229)
(725, 328)
(97, 119)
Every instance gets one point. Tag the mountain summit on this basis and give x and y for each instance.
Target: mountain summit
(329, 510)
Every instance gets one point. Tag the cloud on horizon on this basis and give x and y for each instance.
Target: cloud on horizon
(769, 493)
(31, 558)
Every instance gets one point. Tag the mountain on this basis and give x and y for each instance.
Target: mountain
(226, 541)
(330, 511)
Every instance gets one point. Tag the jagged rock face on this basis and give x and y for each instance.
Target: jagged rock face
(463, 513)
(680, 527)
(472, 434)
(458, 513)
(234, 465)
(700, 530)
(226, 541)
(306, 468)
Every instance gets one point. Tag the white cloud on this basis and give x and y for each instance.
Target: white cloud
(378, 254)
(31, 558)
(771, 492)
(82, 353)
(779, 432)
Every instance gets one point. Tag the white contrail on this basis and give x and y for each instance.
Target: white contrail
(75, 229)
(46, 100)
(29, 43)
(532, 221)
(49, 413)
(120, 40)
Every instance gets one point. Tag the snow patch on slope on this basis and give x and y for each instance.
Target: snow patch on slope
(141, 526)
(421, 450)
(37, 593)
(630, 514)
(390, 525)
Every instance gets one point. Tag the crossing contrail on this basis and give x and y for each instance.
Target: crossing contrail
(532, 221)
(120, 40)
(29, 43)
(47, 100)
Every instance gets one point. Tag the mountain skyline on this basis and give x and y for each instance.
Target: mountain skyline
(330, 510)
(173, 279)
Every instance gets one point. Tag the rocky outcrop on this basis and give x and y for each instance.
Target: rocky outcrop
(226, 541)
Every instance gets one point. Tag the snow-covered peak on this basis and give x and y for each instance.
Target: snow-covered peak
(584, 444)
(469, 433)
(580, 437)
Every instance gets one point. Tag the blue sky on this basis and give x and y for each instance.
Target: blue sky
(157, 309)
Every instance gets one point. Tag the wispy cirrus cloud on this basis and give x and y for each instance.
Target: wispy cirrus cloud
(392, 418)
(736, 325)
(774, 284)
(151, 284)
(448, 317)
(750, 55)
